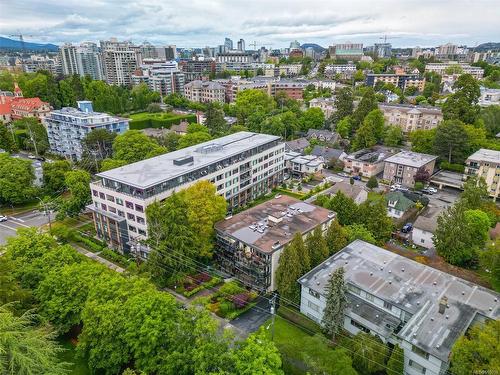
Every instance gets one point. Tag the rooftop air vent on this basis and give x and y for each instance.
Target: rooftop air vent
(208, 149)
(183, 160)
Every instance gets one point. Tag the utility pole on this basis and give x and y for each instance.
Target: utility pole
(46, 210)
(272, 301)
(33, 140)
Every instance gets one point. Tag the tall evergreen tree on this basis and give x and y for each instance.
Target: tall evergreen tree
(367, 104)
(345, 207)
(344, 104)
(336, 302)
(290, 268)
(317, 247)
(336, 237)
(214, 120)
(396, 364)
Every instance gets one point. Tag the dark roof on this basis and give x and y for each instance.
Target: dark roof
(326, 152)
(322, 133)
(297, 144)
(427, 220)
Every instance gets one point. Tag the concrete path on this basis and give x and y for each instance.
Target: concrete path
(97, 258)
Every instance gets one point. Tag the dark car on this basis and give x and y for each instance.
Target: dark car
(356, 178)
(407, 228)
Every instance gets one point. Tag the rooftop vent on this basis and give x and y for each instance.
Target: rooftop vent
(442, 304)
(208, 149)
(188, 159)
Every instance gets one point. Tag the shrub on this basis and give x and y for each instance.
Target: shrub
(114, 257)
(231, 288)
(240, 300)
(419, 185)
(452, 167)
(88, 243)
(225, 307)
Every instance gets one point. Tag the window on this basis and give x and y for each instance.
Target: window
(220, 187)
(369, 297)
(354, 289)
(129, 204)
(103, 206)
(139, 208)
(359, 326)
(387, 305)
(95, 193)
(110, 198)
(219, 177)
(130, 216)
(420, 352)
(132, 228)
(313, 293)
(102, 196)
(142, 231)
(140, 220)
(313, 306)
(121, 213)
(119, 201)
(417, 366)
(112, 209)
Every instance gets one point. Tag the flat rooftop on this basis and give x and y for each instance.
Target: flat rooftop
(372, 155)
(150, 172)
(411, 159)
(412, 287)
(75, 112)
(486, 155)
(271, 225)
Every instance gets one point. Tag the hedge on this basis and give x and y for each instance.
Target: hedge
(208, 285)
(155, 121)
(452, 167)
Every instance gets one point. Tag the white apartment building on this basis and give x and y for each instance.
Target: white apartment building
(243, 166)
(403, 302)
(83, 60)
(234, 56)
(489, 97)
(411, 117)
(299, 165)
(486, 164)
(120, 60)
(204, 92)
(162, 77)
(440, 68)
(67, 127)
(290, 70)
(327, 105)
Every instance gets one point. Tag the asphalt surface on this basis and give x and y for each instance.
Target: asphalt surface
(32, 218)
(251, 320)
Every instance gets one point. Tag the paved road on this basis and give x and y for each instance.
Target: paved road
(31, 218)
(251, 320)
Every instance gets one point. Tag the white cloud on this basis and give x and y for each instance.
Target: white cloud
(206, 22)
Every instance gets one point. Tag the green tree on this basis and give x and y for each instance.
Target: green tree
(475, 193)
(78, 183)
(367, 104)
(345, 207)
(317, 247)
(108, 164)
(489, 259)
(7, 143)
(250, 102)
(372, 183)
(54, 175)
(393, 136)
(333, 361)
(26, 348)
(395, 365)
(491, 119)
(205, 207)
(192, 139)
(423, 141)
(336, 302)
(171, 238)
(336, 237)
(312, 118)
(142, 97)
(370, 132)
(283, 124)
(35, 138)
(368, 353)
(16, 180)
(478, 224)
(450, 141)
(373, 215)
(214, 120)
(293, 263)
(98, 145)
(344, 104)
(477, 351)
(343, 127)
(170, 141)
(359, 232)
(6, 81)
(10, 288)
(462, 105)
(133, 145)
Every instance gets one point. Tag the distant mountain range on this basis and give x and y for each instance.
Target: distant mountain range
(16, 45)
(316, 47)
(490, 46)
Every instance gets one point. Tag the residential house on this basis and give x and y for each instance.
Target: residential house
(299, 165)
(330, 155)
(322, 135)
(425, 226)
(402, 167)
(327, 105)
(423, 310)
(357, 193)
(297, 145)
(180, 129)
(368, 162)
(398, 204)
(249, 244)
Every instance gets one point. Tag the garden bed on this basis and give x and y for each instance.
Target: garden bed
(193, 284)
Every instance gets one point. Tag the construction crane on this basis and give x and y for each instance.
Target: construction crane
(21, 39)
(254, 44)
(385, 38)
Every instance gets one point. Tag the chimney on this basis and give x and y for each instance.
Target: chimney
(442, 304)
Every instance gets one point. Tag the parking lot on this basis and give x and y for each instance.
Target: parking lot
(32, 218)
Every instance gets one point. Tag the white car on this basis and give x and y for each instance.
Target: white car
(432, 190)
(395, 187)
(31, 156)
(3, 218)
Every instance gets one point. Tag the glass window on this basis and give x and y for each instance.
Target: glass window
(102, 196)
(420, 352)
(140, 220)
(417, 366)
(387, 305)
(95, 193)
(142, 231)
(132, 228)
(313, 306)
(103, 206)
(112, 209)
(119, 201)
(110, 198)
(130, 216)
(121, 213)
(129, 204)
(313, 293)
(139, 208)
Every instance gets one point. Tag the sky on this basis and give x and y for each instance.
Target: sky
(198, 23)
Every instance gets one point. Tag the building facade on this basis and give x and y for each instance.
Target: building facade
(403, 81)
(120, 60)
(13, 106)
(367, 162)
(402, 167)
(411, 117)
(425, 226)
(84, 60)
(403, 302)
(347, 51)
(204, 92)
(162, 77)
(298, 165)
(243, 166)
(67, 127)
(486, 164)
(249, 244)
(444, 68)
(327, 105)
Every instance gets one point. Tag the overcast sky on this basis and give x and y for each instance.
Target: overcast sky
(197, 23)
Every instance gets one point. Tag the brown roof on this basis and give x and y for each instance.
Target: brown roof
(352, 191)
(427, 220)
(271, 225)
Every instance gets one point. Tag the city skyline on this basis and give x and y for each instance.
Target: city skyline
(273, 24)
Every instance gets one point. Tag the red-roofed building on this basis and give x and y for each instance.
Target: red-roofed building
(14, 106)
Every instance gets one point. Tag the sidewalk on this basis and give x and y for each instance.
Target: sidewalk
(97, 258)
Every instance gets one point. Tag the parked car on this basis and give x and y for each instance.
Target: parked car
(357, 178)
(40, 158)
(402, 189)
(343, 174)
(3, 218)
(432, 190)
(407, 228)
(30, 156)
(395, 187)
(427, 191)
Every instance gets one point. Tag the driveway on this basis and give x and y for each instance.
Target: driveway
(31, 218)
(251, 320)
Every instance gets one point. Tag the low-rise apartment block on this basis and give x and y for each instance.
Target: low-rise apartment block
(243, 166)
(367, 162)
(250, 243)
(403, 302)
(485, 164)
(411, 117)
(298, 165)
(452, 66)
(347, 51)
(402, 167)
(162, 77)
(403, 81)
(67, 127)
(327, 105)
(204, 92)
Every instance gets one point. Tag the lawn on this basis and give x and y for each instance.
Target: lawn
(145, 120)
(78, 365)
(374, 196)
(297, 347)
